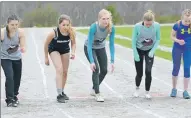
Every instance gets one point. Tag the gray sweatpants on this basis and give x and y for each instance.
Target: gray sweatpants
(13, 72)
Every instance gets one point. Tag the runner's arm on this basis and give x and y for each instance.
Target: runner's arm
(22, 38)
(158, 35)
(2, 34)
(134, 40)
(90, 42)
(73, 43)
(173, 33)
(111, 44)
(49, 38)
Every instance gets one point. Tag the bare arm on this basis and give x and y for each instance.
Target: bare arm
(22, 39)
(73, 45)
(49, 38)
(2, 34)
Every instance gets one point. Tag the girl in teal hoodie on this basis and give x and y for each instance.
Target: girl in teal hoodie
(145, 40)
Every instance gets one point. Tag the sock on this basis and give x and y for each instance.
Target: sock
(137, 88)
(59, 91)
(63, 90)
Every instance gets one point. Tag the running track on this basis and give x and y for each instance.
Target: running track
(38, 91)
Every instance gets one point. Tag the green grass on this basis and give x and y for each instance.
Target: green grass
(127, 43)
(127, 31)
(165, 34)
(85, 31)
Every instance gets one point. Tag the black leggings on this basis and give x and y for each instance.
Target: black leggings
(12, 70)
(100, 60)
(148, 69)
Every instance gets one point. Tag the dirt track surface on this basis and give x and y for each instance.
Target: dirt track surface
(38, 91)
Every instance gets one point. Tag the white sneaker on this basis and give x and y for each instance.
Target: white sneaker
(136, 93)
(92, 92)
(99, 98)
(147, 96)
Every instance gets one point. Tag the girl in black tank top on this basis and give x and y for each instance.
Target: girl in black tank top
(57, 45)
(60, 43)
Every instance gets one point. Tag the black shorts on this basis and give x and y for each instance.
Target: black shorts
(63, 51)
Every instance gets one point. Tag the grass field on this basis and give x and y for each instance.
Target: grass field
(127, 31)
(165, 34)
(127, 43)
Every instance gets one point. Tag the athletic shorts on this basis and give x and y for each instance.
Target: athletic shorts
(63, 51)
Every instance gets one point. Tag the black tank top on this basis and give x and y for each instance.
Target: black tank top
(60, 42)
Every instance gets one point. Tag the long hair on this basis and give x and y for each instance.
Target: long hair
(10, 18)
(186, 12)
(71, 29)
(103, 12)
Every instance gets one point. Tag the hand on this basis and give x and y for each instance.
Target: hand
(93, 67)
(72, 56)
(151, 54)
(112, 67)
(47, 61)
(181, 42)
(136, 57)
(22, 50)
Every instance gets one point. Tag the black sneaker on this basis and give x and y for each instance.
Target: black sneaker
(65, 96)
(60, 99)
(11, 103)
(16, 99)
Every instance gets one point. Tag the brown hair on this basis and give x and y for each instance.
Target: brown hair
(71, 30)
(103, 12)
(149, 16)
(10, 18)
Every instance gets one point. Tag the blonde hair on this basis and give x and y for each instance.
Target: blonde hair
(186, 12)
(149, 16)
(71, 29)
(103, 12)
